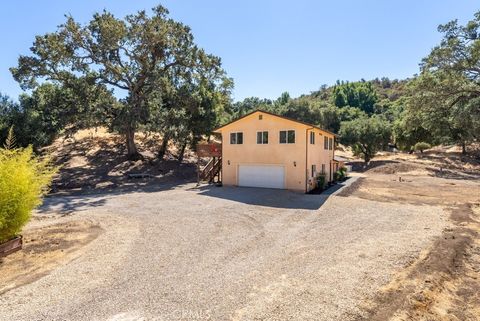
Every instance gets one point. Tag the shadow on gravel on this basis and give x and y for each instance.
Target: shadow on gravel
(66, 205)
(269, 197)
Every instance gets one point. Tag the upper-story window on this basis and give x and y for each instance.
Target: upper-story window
(325, 142)
(330, 143)
(287, 137)
(262, 137)
(236, 138)
(312, 138)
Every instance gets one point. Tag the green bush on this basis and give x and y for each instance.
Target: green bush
(339, 175)
(24, 179)
(421, 146)
(321, 180)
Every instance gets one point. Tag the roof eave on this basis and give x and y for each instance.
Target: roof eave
(218, 130)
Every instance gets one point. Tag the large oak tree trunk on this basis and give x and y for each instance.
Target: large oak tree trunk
(132, 151)
(163, 147)
(182, 151)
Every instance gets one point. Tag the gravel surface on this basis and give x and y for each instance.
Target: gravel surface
(226, 254)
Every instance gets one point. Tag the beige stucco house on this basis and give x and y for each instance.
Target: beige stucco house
(262, 149)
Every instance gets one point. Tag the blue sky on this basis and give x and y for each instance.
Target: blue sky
(268, 46)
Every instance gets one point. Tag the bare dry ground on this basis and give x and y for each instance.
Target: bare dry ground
(45, 247)
(444, 282)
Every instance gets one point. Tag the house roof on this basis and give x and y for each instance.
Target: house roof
(272, 114)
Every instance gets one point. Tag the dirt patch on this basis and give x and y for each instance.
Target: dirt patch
(394, 167)
(414, 189)
(443, 284)
(44, 249)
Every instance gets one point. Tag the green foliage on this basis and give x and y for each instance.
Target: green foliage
(321, 181)
(355, 94)
(340, 174)
(446, 95)
(24, 178)
(337, 176)
(366, 135)
(421, 146)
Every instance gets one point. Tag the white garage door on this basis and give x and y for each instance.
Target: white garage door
(261, 176)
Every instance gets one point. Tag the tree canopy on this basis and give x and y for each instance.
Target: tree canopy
(445, 98)
(142, 57)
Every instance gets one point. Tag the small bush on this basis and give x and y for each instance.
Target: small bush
(339, 175)
(421, 146)
(24, 179)
(321, 180)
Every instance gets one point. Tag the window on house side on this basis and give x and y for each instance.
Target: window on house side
(312, 138)
(236, 138)
(287, 137)
(314, 170)
(325, 142)
(262, 137)
(323, 168)
(330, 143)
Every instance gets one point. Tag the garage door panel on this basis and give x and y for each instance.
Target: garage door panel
(268, 176)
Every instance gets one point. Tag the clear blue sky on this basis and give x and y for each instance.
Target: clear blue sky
(268, 46)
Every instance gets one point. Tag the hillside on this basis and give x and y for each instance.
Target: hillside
(95, 160)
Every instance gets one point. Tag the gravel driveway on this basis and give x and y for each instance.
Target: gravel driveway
(226, 254)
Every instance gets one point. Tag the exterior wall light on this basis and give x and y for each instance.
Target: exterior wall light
(228, 162)
(294, 164)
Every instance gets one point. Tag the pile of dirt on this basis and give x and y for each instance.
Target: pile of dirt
(394, 168)
(44, 249)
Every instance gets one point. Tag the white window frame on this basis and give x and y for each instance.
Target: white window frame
(262, 131)
(286, 137)
(236, 138)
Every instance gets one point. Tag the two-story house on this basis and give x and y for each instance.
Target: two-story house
(262, 149)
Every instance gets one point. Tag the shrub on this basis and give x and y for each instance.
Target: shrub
(321, 181)
(24, 179)
(339, 175)
(421, 146)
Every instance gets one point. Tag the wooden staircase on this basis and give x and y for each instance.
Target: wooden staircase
(211, 170)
